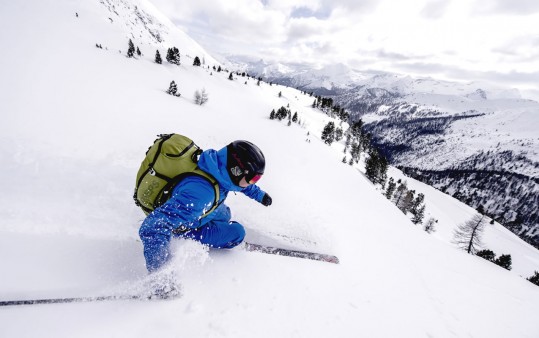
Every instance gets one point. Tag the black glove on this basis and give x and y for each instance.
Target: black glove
(266, 200)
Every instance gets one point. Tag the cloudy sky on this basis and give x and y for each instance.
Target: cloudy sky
(468, 40)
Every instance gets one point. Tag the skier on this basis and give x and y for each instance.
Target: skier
(236, 167)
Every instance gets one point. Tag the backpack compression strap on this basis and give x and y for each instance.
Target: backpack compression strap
(161, 138)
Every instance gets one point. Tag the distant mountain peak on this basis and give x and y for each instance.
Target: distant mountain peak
(478, 94)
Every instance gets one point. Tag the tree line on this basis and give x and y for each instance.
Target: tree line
(330, 108)
(359, 141)
(284, 113)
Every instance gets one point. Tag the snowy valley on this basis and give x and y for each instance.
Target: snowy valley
(77, 118)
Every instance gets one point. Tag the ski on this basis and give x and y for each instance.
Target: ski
(72, 300)
(291, 253)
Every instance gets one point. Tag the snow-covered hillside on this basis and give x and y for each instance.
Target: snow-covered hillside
(76, 122)
(455, 131)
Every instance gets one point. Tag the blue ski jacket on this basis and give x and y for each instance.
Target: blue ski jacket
(190, 200)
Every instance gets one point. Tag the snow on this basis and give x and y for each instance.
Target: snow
(76, 121)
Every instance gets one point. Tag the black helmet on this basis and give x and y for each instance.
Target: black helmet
(244, 159)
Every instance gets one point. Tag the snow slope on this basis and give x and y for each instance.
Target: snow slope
(76, 121)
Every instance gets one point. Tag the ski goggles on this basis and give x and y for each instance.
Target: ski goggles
(255, 178)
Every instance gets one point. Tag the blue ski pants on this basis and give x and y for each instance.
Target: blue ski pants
(216, 231)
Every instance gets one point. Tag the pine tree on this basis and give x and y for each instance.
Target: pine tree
(468, 235)
(489, 255)
(391, 186)
(282, 113)
(219, 69)
(376, 168)
(402, 189)
(419, 215)
(231, 77)
(534, 279)
(295, 117)
(131, 49)
(356, 129)
(328, 134)
(196, 62)
(406, 202)
(158, 57)
(138, 52)
(173, 89)
(371, 166)
(272, 114)
(173, 56)
(170, 55)
(365, 141)
(280, 94)
(418, 209)
(504, 261)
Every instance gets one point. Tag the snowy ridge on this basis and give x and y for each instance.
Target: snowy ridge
(342, 77)
(147, 26)
(74, 130)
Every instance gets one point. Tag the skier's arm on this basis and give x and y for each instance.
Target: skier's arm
(259, 195)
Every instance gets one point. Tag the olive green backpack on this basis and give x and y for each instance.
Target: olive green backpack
(171, 158)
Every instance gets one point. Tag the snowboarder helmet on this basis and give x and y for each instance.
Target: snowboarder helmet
(244, 159)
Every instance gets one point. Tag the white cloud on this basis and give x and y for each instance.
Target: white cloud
(522, 7)
(435, 9)
(476, 37)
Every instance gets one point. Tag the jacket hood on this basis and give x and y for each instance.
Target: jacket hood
(214, 163)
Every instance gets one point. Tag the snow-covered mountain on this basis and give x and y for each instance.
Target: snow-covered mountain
(76, 122)
(329, 79)
(463, 134)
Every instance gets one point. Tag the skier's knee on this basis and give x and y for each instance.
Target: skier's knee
(237, 234)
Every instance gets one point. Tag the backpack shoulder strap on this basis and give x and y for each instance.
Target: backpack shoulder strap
(167, 190)
(215, 185)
